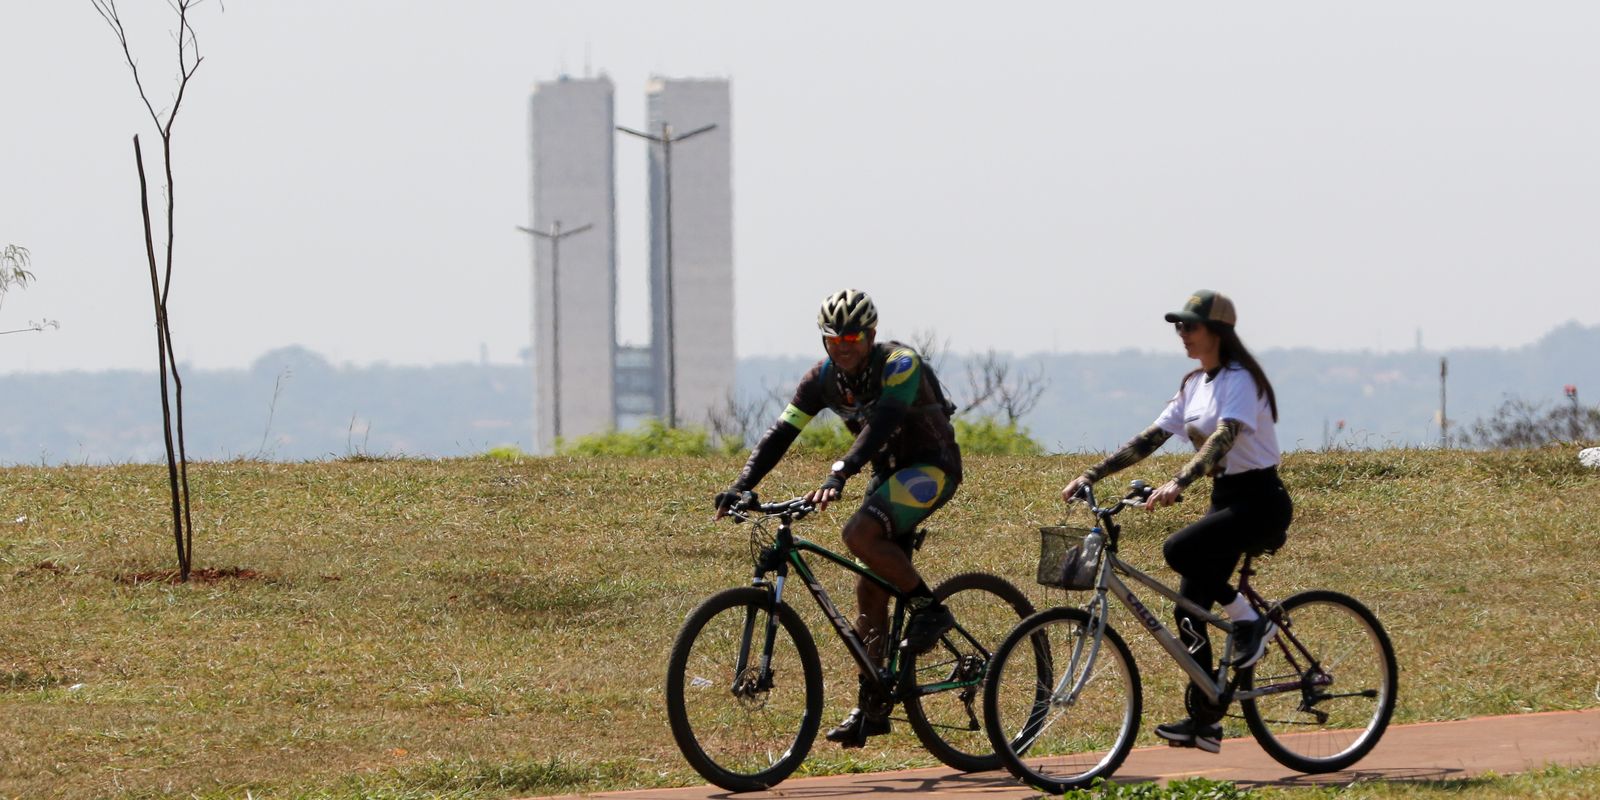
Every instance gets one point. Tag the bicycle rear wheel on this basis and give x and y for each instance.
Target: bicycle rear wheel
(945, 684)
(740, 727)
(1059, 711)
(1333, 680)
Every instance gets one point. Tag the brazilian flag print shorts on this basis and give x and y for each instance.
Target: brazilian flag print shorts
(908, 497)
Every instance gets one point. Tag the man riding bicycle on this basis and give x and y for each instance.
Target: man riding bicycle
(894, 405)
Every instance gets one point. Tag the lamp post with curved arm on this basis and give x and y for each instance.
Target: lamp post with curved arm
(666, 139)
(554, 236)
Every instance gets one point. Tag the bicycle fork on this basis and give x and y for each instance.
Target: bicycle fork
(745, 682)
(1085, 650)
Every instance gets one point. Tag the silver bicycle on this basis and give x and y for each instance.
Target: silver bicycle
(1062, 700)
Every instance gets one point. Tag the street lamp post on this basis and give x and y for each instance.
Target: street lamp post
(554, 236)
(666, 140)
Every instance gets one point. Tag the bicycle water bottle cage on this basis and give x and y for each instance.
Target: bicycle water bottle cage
(1197, 639)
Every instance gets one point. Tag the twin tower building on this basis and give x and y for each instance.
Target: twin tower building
(584, 381)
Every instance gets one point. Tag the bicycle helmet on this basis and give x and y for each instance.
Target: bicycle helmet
(847, 311)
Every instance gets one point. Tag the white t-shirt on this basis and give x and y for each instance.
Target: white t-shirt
(1201, 403)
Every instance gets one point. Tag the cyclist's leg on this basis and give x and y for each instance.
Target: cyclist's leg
(1204, 553)
(904, 500)
(879, 532)
(867, 540)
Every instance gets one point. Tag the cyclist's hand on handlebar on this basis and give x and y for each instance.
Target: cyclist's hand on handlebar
(826, 493)
(1076, 485)
(726, 500)
(1169, 493)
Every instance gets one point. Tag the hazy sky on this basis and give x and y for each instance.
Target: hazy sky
(1026, 177)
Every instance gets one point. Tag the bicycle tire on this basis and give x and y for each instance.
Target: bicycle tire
(1348, 644)
(949, 722)
(710, 720)
(1034, 741)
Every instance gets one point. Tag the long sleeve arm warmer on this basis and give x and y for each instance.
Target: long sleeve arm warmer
(774, 443)
(1137, 448)
(1210, 453)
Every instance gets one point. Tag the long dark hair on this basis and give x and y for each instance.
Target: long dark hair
(1231, 349)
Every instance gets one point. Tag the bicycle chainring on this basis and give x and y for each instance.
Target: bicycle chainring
(1201, 709)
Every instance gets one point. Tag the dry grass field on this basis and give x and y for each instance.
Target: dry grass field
(491, 628)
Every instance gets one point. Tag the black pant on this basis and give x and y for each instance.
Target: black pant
(1250, 512)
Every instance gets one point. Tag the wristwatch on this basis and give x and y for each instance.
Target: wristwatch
(838, 467)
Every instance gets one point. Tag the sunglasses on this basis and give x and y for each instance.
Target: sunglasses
(1187, 327)
(847, 338)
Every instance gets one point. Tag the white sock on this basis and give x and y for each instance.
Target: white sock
(1239, 610)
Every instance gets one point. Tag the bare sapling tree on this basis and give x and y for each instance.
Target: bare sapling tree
(991, 382)
(189, 59)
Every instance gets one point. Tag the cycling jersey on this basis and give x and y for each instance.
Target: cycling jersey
(895, 407)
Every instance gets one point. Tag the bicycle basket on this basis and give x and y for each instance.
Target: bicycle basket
(1062, 561)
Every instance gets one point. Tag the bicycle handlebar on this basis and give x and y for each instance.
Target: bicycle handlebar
(1138, 494)
(750, 506)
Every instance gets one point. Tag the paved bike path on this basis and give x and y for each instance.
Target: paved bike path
(1423, 751)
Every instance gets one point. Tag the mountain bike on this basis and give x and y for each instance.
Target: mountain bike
(1317, 701)
(744, 681)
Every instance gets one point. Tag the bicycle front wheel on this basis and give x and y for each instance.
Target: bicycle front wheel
(1060, 710)
(742, 724)
(1328, 680)
(944, 700)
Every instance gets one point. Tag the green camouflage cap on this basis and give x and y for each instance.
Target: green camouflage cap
(1206, 306)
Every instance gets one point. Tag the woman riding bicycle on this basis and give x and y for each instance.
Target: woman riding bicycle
(1227, 409)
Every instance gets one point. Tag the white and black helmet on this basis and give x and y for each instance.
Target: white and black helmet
(847, 311)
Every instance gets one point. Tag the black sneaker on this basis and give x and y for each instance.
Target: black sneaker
(854, 730)
(1250, 640)
(1185, 733)
(926, 626)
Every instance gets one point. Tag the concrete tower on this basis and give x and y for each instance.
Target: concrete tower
(574, 310)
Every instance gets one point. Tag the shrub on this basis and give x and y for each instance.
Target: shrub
(988, 436)
(829, 437)
(653, 438)
(1518, 423)
(505, 452)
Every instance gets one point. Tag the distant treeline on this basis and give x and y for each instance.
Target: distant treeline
(294, 405)
(1095, 402)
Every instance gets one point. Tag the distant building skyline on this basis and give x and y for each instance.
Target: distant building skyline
(574, 184)
(584, 381)
(702, 246)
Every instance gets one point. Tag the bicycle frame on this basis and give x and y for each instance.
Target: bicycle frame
(786, 553)
(1217, 688)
